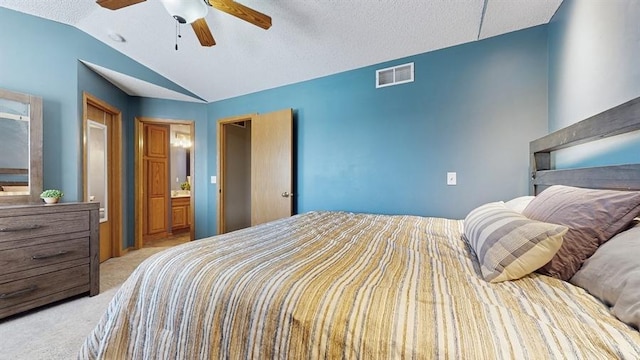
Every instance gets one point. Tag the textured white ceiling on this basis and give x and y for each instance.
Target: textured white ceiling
(308, 39)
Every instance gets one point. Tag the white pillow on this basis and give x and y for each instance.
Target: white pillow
(518, 204)
(508, 244)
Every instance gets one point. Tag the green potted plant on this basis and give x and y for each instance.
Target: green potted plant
(51, 196)
(185, 186)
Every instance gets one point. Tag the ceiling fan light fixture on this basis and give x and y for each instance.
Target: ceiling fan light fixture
(194, 12)
(186, 11)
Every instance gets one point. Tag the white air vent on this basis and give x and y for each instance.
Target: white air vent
(394, 75)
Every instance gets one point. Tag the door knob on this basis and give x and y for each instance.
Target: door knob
(286, 194)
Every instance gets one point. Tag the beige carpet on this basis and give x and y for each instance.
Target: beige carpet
(58, 331)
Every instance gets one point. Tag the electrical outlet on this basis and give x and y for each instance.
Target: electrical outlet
(452, 178)
(213, 179)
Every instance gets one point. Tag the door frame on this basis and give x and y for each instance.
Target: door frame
(139, 171)
(221, 159)
(115, 155)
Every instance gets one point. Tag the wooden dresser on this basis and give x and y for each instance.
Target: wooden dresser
(47, 253)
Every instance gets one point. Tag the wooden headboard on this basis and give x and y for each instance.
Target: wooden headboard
(615, 121)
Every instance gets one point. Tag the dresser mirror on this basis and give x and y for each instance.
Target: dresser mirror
(20, 148)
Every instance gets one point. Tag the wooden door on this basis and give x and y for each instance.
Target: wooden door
(102, 163)
(271, 166)
(155, 177)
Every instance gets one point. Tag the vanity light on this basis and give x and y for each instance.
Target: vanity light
(181, 140)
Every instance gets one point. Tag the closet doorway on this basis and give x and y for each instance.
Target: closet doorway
(164, 191)
(255, 176)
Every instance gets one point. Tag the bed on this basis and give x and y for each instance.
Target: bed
(329, 285)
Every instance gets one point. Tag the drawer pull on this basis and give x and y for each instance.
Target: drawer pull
(40, 257)
(21, 228)
(18, 292)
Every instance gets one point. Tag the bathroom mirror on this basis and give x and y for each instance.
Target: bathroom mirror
(20, 148)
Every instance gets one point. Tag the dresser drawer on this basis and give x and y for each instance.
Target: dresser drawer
(29, 257)
(31, 226)
(27, 293)
(47, 253)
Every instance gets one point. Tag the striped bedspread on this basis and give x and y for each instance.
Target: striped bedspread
(333, 285)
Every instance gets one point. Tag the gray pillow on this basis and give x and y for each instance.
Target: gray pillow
(592, 216)
(612, 275)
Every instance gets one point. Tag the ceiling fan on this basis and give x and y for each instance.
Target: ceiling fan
(193, 12)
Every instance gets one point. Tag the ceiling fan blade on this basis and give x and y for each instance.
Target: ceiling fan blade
(203, 33)
(117, 4)
(240, 11)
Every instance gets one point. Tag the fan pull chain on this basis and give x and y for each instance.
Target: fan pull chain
(178, 36)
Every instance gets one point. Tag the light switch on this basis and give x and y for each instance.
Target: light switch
(452, 178)
(213, 179)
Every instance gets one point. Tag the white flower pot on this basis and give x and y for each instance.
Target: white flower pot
(51, 200)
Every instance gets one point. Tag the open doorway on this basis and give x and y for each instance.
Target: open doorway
(235, 174)
(255, 169)
(164, 190)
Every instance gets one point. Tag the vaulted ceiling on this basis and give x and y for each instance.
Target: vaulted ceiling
(308, 38)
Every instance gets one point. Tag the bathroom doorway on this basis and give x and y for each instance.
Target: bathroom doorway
(164, 169)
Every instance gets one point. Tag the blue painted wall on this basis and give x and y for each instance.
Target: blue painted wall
(472, 109)
(94, 84)
(594, 64)
(41, 57)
